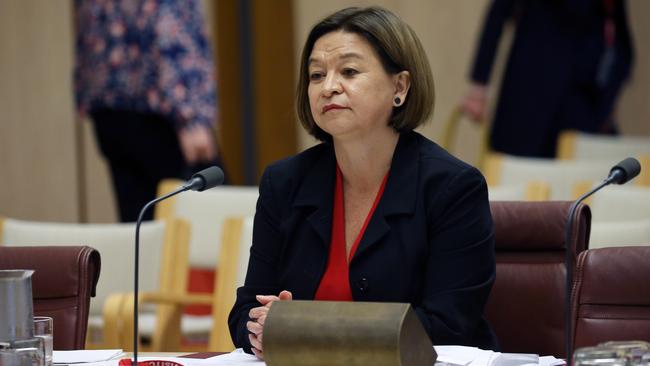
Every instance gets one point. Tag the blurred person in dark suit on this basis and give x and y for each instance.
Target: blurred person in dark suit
(145, 76)
(376, 212)
(567, 64)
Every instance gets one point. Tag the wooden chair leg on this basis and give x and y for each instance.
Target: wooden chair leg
(113, 327)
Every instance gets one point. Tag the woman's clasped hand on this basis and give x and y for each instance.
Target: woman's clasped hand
(257, 318)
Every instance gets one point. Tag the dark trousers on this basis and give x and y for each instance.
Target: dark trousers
(531, 126)
(141, 150)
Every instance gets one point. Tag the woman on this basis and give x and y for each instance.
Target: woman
(144, 76)
(376, 212)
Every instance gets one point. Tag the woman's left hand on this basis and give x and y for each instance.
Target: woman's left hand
(257, 315)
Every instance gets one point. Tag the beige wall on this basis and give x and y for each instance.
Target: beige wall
(48, 161)
(47, 175)
(37, 153)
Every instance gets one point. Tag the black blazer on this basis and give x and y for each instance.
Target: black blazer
(430, 241)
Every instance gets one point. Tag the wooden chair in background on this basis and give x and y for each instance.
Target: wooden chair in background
(237, 235)
(163, 269)
(531, 191)
(574, 145)
(562, 177)
(206, 212)
(620, 215)
(450, 135)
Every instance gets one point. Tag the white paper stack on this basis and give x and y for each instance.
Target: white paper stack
(472, 356)
(85, 356)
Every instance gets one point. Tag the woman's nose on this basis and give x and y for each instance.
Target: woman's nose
(332, 85)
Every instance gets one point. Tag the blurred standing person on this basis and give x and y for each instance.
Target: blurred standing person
(567, 64)
(145, 76)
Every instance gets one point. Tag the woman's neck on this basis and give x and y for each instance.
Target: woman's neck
(365, 162)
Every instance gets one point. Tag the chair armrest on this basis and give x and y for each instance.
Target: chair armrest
(118, 313)
(175, 299)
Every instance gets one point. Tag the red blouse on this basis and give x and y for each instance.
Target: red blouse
(335, 284)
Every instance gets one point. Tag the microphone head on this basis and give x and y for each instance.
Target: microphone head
(625, 171)
(206, 179)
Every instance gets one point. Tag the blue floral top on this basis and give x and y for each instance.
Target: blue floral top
(145, 56)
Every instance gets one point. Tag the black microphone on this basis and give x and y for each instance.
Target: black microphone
(205, 179)
(620, 173)
(624, 171)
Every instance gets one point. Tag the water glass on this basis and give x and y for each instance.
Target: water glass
(44, 328)
(614, 353)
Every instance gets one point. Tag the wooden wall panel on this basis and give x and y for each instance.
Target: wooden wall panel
(227, 50)
(274, 78)
(271, 89)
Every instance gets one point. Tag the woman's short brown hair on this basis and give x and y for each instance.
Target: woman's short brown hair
(398, 49)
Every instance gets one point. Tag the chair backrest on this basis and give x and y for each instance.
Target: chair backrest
(580, 146)
(532, 191)
(206, 212)
(620, 215)
(621, 203)
(159, 243)
(561, 176)
(612, 296)
(526, 305)
(64, 280)
(616, 234)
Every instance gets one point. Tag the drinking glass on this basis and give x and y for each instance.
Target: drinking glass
(44, 328)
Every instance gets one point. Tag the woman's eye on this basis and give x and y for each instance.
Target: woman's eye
(349, 72)
(315, 76)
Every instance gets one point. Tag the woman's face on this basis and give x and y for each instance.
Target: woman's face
(350, 93)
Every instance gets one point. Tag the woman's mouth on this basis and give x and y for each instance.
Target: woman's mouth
(330, 107)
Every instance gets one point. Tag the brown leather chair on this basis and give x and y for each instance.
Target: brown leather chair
(526, 305)
(612, 296)
(64, 280)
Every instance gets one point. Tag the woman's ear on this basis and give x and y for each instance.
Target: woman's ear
(402, 85)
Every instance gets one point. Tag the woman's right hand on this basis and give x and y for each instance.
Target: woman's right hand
(257, 317)
(474, 104)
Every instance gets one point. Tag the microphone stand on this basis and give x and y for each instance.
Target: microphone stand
(136, 276)
(205, 179)
(569, 259)
(621, 173)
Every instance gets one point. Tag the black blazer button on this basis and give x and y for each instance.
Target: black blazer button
(362, 284)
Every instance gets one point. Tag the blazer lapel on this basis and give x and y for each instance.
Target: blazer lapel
(399, 194)
(317, 191)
